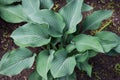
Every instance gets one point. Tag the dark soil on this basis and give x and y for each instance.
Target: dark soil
(104, 67)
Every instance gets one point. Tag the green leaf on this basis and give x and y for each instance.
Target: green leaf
(117, 49)
(70, 77)
(12, 63)
(107, 35)
(93, 21)
(112, 53)
(108, 40)
(62, 65)
(31, 35)
(82, 57)
(107, 45)
(70, 47)
(46, 4)
(85, 67)
(92, 54)
(86, 42)
(13, 14)
(50, 77)
(8, 1)
(68, 1)
(44, 62)
(86, 7)
(35, 76)
(72, 14)
(55, 41)
(30, 6)
(53, 19)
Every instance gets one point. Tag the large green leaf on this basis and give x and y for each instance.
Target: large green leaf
(53, 19)
(31, 35)
(44, 61)
(107, 35)
(62, 65)
(68, 1)
(112, 52)
(35, 76)
(107, 45)
(12, 63)
(70, 77)
(86, 7)
(117, 49)
(8, 1)
(70, 47)
(108, 40)
(13, 14)
(92, 54)
(86, 42)
(46, 4)
(93, 21)
(30, 6)
(72, 14)
(85, 67)
(81, 57)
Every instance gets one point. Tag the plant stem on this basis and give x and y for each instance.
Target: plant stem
(107, 24)
(64, 40)
(48, 46)
(54, 47)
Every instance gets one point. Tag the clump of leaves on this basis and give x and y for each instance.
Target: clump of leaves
(66, 47)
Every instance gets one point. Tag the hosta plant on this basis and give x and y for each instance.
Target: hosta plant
(65, 44)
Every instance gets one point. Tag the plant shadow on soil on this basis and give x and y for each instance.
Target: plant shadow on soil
(104, 67)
